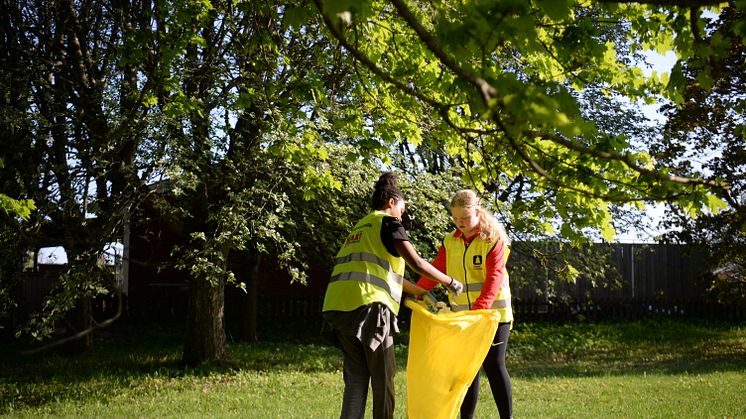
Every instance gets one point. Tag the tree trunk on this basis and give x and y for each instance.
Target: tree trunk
(80, 319)
(205, 332)
(248, 319)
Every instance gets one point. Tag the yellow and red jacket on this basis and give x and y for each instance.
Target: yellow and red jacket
(469, 264)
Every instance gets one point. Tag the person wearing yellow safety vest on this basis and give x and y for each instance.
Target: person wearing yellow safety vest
(363, 297)
(475, 254)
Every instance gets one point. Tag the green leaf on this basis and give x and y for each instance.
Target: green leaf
(716, 204)
(704, 79)
(295, 17)
(571, 273)
(608, 232)
(676, 83)
(17, 207)
(555, 9)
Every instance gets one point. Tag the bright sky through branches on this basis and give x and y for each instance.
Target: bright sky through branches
(659, 64)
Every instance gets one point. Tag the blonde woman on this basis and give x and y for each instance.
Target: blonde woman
(475, 254)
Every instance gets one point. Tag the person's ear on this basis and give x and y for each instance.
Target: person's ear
(392, 202)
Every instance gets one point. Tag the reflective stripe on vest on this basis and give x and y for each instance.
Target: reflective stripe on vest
(364, 271)
(367, 277)
(364, 257)
(495, 305)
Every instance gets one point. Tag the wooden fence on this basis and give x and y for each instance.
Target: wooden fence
(657, 280)
(621, 309)
(671, 273)
(281, 309)
(648, 273)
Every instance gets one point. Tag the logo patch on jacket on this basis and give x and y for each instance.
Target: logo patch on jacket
(353, 238)
(476, 261)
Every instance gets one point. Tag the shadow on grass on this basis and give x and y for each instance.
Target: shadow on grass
(126, 356)
(121, 355)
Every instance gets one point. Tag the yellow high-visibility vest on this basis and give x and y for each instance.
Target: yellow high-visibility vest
(467, 264)
(365, 272)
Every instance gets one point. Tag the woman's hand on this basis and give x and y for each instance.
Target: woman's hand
(455, 287)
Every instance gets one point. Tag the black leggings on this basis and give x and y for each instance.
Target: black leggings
(497, 374)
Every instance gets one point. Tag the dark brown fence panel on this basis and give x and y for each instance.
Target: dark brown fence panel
(288, 307)
(36, 286)
(528, 310)
(656, 279)
(668, 272)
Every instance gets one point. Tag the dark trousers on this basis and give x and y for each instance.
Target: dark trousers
(497, 374)
(363, 366)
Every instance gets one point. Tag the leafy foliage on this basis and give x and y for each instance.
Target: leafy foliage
(70, 130)
(267, 134)
(705, 136)
(548, 270)
(495, 86)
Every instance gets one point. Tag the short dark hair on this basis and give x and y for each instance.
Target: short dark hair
(384, 190)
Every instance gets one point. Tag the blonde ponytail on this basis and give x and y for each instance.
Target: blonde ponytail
(490, 230)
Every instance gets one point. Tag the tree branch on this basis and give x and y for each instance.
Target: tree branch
(441, 108)
(538, 169)
(487, 90)
(679, 3)
(358, 55)
(626, 159)
(489, 94)
(82, 333)
(579, 168)
(693, 12)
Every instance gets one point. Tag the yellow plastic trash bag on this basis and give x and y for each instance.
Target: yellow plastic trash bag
(446, 351)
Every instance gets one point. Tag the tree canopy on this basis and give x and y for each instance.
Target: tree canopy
(248, 113)
(705, 134)
(499, 83)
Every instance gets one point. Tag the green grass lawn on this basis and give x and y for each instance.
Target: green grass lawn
(643, 369)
